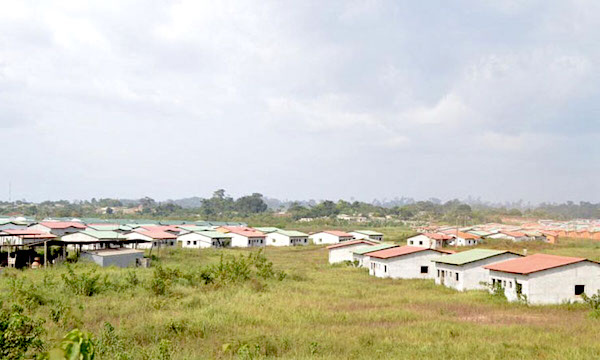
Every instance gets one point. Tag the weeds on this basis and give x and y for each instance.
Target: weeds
(86, 283)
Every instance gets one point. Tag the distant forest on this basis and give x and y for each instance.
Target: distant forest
(221, 206)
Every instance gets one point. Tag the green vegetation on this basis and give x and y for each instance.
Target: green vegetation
(280, 302)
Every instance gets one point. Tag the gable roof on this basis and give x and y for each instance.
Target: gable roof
(337, 233)
(351, 242)
(469, 256)
(368, 232)
(62, 224)
(438, 236)
(244, 231)
(369, 249)
(213, 234)
(267, 229)
(101, 234)
(533, 263)
(291, 233)
(28, 233)
(156, 234)
(403, 250)
(467, 236)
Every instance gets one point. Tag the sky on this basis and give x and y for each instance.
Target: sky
(301, 99)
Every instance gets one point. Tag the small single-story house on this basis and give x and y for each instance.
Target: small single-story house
(110, 227)
(546, 279)
(343, 251)
(187, 228)
(120, 257)
(13, 224)
(330, 237)
(23, 236)
(171, 229)
(361, 254)
(429, 240)
(58, 228)
(205, 239)
(266, 229)
(510, 235)
(465, 270)
(404, 262)
(243, 236)
(464, 239)
(550, 236)
(93, 239)
(151, 239)
(367, 235)
(282, 237)
(480, 233)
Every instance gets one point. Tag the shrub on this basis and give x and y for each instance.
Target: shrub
(594, 304)
(18, 333)
(75, 345)
(86, 284)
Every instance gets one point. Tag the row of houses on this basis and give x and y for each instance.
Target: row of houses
(536, 279)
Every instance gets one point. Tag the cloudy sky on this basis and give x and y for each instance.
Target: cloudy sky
(299, 100)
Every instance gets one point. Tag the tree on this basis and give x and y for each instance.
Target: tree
(252, 204)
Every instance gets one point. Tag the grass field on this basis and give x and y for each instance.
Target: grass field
(316, 311)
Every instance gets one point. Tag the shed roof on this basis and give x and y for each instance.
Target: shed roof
(213, 234)
(337, 233)
(369, 249)
(401, 251)
(470, 256)
(351, 242)
(534, 263)
(62, 224)
(291, 233)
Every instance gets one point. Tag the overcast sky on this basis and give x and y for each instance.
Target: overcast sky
(301, 100)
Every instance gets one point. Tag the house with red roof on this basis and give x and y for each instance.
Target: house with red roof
(430, 240)
(23, 236)
(58, 228)
(148, 239)
(546, 279)
(330, 237)
(405, 262)
(343, 251)
(243, 236)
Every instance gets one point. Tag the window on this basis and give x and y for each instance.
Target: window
(188, 242)
(412, 242)
(579, 289)
(456, 276)
(384, 268)
(424, 269)
(510, 284)
(438, 273)
(195, 242)
(519, 288)
(504, 283)
(420, 242)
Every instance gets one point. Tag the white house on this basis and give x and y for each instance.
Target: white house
(430, 240)
(546, 279)
(151, 239)
(510, 235)
(58, 228)
(405, 262)
(464, 239)
(367, 235)
(465, 270)
(343, 251)
(361, 254)
(242, 236)
(91, 239)
(330, 237)
(23, 236)
(205, 239)
(281, 237)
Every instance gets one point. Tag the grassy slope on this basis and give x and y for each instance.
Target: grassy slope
(324, 311)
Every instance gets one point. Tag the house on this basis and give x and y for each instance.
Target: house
(150, 239)
(343, 251)
(23, 236)
(58, 228)
(13, 224)
(546, 279)
(110, 227)
(281, 237)
(205, 239)
(243, 236)
(330, 237)
(404, 262)
(120, 257)
(361, 254)
(267, 229)
(430, 240)
(510, 235)
(93, 239)
(187, 228)
(550, 236)
(464, 239)
(367, 234)
(171, 229)
(464, 270)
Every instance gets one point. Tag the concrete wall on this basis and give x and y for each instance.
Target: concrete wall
(405, 266)
(420, 241)
(360, 236)
(118, 260)
(343, 253)
(197, 241)
(326, 238)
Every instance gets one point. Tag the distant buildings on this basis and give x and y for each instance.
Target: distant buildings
(330, 237)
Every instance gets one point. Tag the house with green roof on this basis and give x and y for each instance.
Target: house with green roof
(361, 254)
(91, 239)
(280, 237)
(465, 270)
(367, 235)
(204, 239)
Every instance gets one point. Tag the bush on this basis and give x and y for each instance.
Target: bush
(86, 284)
(594, 304)
(75, 345)
(18, 333)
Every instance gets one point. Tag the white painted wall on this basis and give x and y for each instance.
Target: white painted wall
(244, 241)
(470, 276)
(343, 253)
(361, 236)
(420, 241)
(405, 266)
(326, 238)
(552, 286)
(197, 241)
(57, 232)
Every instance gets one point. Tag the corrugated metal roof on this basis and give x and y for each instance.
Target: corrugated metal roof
(62, 224)
(534, 263)
(368, 249)
(351, 242)
(213, 234)
(266, 229)
(469, 256)
(402, 250)
(103, 234)
(156, 234)
(368, 232)
(337, 233)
